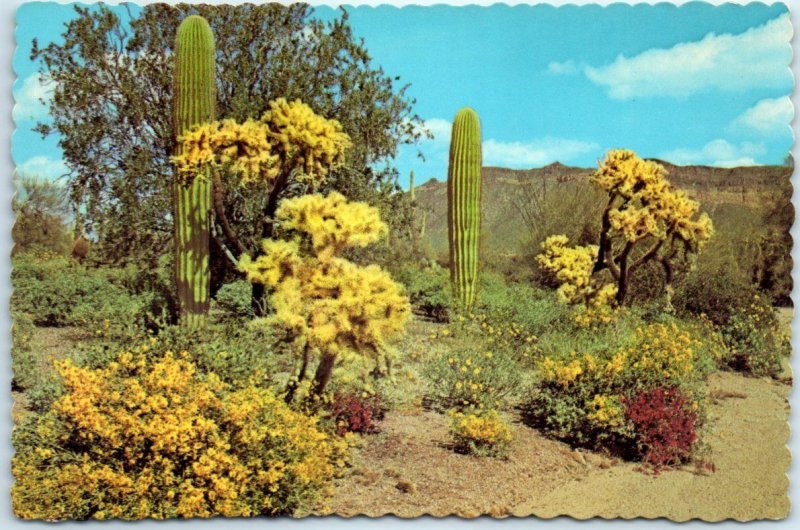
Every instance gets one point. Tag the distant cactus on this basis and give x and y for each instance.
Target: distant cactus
(194, 99)
(464, 205)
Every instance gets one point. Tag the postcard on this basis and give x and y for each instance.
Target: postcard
(283, 260)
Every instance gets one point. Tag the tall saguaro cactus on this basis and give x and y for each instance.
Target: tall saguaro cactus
(194, 100)
(464, 204)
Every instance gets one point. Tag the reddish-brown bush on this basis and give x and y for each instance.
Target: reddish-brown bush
(665, 423)
(356, 413)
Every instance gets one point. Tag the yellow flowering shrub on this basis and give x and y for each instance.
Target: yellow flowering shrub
(329, 304)
(756, 339)
(290, 135)
(480, 433)
(156, 438)
(595, 316)
(606, 411)
(580, 397)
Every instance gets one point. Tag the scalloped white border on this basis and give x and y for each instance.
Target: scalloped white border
(7, 519)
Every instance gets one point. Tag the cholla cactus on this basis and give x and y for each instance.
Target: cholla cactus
(288, 144)
(572, 267)
(645, 220)
(329, 304)
(288, 137)
(642, 202)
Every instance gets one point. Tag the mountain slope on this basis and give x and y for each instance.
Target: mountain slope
(505, 231)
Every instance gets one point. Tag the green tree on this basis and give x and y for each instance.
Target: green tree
(112, 95)
(41, 209)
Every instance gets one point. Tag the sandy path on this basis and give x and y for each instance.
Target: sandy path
(409, 471)
(748, 448)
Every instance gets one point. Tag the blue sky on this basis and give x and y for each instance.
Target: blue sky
(696, 84)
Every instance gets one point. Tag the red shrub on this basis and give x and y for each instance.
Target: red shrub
(665, 423)
(354, 413)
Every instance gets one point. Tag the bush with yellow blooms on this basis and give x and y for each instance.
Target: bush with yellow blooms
(157, 438)
(581, 397)
(331, 306)
(472, 379)
(480, 433)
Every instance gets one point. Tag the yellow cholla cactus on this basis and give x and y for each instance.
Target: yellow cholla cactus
(649, 205)
(330, 304)
(332, 222)
(572, 267)
(645, 220)
(242, 147)
(304, 139)
(289, 137)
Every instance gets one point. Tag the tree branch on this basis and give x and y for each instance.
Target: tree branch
(605, 240)
(219, 208)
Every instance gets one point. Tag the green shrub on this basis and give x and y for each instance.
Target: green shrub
(25, 364)
(236, 354)
(61, 292)
(429, 290)
(717, 293)
(535, 310)
(755, 340)
(155, 437)
(33, 370)
(467, 378)
(234, 300)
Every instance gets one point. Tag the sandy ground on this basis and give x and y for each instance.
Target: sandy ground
(409, 471)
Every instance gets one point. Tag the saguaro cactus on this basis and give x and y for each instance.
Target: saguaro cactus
(464, 204)
(193, 99)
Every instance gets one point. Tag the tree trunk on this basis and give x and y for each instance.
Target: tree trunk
(622, 280)
(668, 289)
(291, 388)
(324, 372)
(258, 293)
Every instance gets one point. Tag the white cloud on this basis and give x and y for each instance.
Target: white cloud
(565, 68)
(767, 117)
(718, 153)
(757, 58)
(43, 166)
(534, 153)
(439, 128)
(28, 98)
